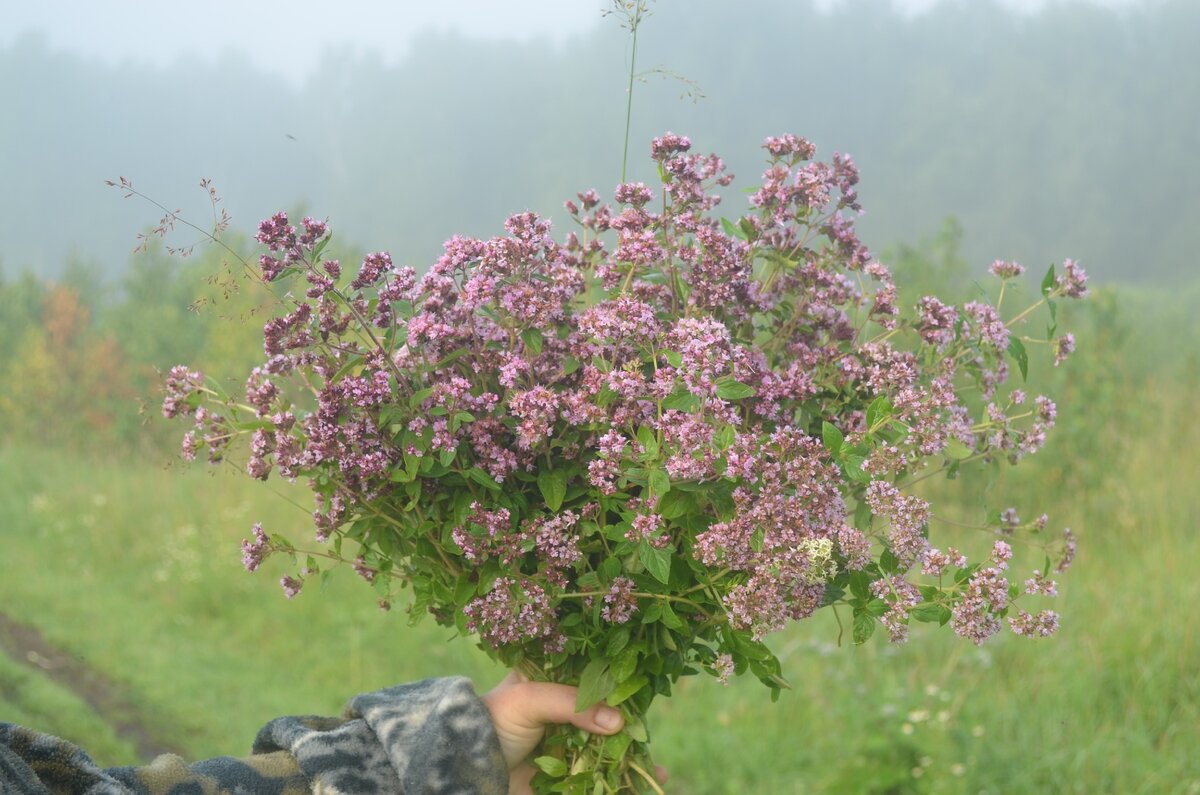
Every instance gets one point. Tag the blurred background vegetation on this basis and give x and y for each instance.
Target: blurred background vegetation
(981, 134)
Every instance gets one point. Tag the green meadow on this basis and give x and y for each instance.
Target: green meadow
(131, 564)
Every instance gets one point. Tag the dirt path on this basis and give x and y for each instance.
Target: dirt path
(111, 701)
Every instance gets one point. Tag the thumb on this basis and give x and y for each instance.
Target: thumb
(545, 702)
(521, 710)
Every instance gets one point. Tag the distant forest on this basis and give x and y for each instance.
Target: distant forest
(1071, 132)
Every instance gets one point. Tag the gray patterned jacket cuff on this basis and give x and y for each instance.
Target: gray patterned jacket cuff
(433, 737)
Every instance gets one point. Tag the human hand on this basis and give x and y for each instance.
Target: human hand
(522, 709)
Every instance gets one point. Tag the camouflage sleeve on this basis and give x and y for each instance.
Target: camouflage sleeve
(433, 737)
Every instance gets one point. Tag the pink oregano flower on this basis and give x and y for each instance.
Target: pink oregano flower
(634, 451)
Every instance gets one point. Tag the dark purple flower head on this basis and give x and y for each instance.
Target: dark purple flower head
(633, 193)
(254, 551)
(374, 266)
(1006, 270)
(1073, 281)
(291, 586)
(669, 144)
(276, 233)
(619, 602)
(314, 231)
(790, 145)
(514, 611)
(1064, 346)
(180, 386)
(991, 328)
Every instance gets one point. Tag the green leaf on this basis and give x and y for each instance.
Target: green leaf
(732, 229)
(483, 479)
(749, 648)
(681, 400)
(657, 561)
(533, 340)
(570, 365)
(610, 568)
(673, 358)
(551, 766)
(616, 745)
(669, 618)
(721, 499)
(675, 504)
(860, 586)
(1048, 281)
(619, 640)
(666, 638)
(757, 538)
(929, 612)
(888, 562)
(831, 437)
(728, 389)
(446, 458)
(957, 450)
(864, 627)
(929, 593)
(636, 729)
(853, 467)
(595, 683)
(605, 397)
(320, 247)
(624, 665)
(464, 589)
(725, 437)
(1016, 349)
(659, 482)
(626, 689)
(863, 516)
(553, 485)
(877, 607)
(451, 357)
(419, 397)
(648, 441)
(879, 411)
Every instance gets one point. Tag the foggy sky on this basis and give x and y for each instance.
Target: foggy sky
(287, 37)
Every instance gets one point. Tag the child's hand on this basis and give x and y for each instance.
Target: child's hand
(520, 712)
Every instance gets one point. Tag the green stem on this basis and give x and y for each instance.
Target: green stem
(633, 26)
(642, 595)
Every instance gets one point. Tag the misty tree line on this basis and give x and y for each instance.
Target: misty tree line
(1072, 132)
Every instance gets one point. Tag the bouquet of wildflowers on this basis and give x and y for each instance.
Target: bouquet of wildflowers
(628, 456)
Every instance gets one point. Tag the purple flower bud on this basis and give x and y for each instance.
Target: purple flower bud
(1073, 281)
(291, 586)
(1006, 270)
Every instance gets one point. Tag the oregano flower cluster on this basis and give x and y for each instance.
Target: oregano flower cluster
(632, 453)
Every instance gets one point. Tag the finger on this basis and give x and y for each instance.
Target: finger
(519, 778)
(661, 774)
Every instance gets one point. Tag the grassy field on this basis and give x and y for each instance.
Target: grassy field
(135, 568)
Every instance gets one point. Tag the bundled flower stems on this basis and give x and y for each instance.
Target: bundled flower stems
(632, 454)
